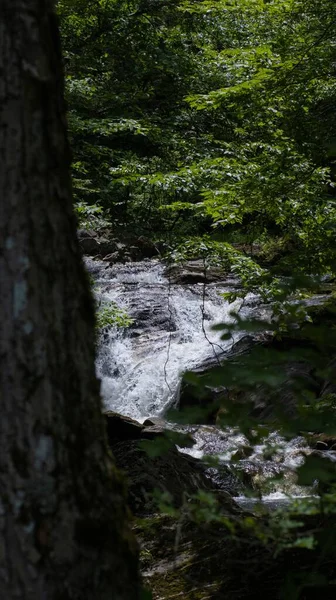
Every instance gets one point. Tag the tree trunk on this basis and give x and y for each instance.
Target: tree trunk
(63, 530)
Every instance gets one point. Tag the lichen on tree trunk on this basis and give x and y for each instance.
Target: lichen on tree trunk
(63, 529)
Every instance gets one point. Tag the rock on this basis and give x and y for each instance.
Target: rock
(321, 446)
(94, 244)
(267, 403)
(110, 249)
(226, 481)
(141, 248)
(200, 404)
(156, 421)
(322, 441)
(88, 242)
(147, 247)
(112, 258)
(170, 471)
(182, 440)
(153, 431)
(120, 255)
(193, 271)
(291, 365)
(242, 453)
(151, 461)
(121, 428)
(191, 561)
(329, 385)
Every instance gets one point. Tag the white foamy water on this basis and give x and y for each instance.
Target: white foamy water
(263, 464)
(140, 367)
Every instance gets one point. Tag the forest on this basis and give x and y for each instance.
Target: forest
(169, 425)
(207, 130)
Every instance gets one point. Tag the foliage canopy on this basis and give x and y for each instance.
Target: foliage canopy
(218, 118)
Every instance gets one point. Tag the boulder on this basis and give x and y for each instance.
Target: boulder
(94, 244)
(153, 431)
(321, 446)
(322, 441)
(121, 428)
(109, 248)
(150, 470)
(242, 453)
(154, 421)
(141, 248)
(88, 242)
(193, 271)
(151, 461)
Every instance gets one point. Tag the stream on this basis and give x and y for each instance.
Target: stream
(140, 367)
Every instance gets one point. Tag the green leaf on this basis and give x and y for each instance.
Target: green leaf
(316, 468)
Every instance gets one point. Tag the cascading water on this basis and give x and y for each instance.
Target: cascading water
(140, 367)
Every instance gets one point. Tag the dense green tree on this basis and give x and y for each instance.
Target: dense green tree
(207, 117)
(281, 93)
(132, 128)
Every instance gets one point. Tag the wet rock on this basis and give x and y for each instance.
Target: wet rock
(121, 428)
(151, 461)
(111, 258)
(322, 441)
(321, 446)
(109, 248)
(283, 372)
(227, 481)
(242, 453)
(93, 244)
(153, 431)
(194, 271)
(152, 316)
(159, 429)
(154, 421)
(171, 472)
(88, 242)
(143, 248)
(121, 255)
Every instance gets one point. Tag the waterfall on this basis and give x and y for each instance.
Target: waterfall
(140, 367)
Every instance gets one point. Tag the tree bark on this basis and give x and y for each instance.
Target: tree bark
(63, 530)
